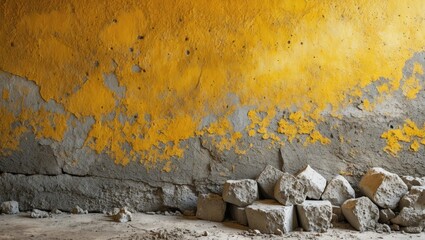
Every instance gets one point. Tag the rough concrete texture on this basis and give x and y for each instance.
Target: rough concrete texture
(290, 190)
(338, 191)
(385, 215)
(211, 207)
(361, 213)
(385, 189)
(413, 181)
(268, 216)
(409, 217)
(39, 214)
(416, 229)
(314, 182)
(415, 198)
(9, 207)
(337, 215)
(123, 215)
(240, 192)
(267, 181)
(315, 215)
(238, 214)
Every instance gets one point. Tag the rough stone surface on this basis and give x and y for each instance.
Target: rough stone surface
(381, 228)
(39, 214)
(315, 215)
(361, 213)
(413, 181)
(56, 211)
(385, 215)
(122, 216)
(385, 189)
(238, 214)
(289, 190)
(240, 192)
(415, 198)
(409, 217)
(267, 181)
(78, 210)
(211, 207)
(314, 182)
(338, 191)
(268, 216)
(10, 207)
(416, 229)
(337, 215)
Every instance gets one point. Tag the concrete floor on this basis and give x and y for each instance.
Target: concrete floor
(143, 226)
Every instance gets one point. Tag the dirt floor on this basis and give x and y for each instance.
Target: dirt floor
(144, 226)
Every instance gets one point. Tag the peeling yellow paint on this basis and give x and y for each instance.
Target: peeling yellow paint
(408, 133)
(5, 94)
(299, 56)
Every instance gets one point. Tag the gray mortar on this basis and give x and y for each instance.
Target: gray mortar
(203, 168)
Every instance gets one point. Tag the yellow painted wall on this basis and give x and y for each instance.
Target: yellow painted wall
(194, 58)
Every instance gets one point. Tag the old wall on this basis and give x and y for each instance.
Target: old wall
(148, 103)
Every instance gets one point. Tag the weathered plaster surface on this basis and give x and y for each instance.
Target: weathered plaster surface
(181, 95)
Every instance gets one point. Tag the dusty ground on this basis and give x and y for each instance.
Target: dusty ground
(143, 226)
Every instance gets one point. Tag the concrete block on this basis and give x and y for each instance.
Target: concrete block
(415, 198)
(361, 213)
(385, 215)
(314, 182)
(267, 181)
(240, 192)
(385, 189)
(289, 190)
(409, 217)
(338, 191)
(211, 207)
(413, 181)
(10, 207)
(268, 216)
(238, 214)
(315, 216)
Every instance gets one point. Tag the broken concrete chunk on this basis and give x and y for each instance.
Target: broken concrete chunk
(267, 181)
(124, 215)
(415, 198)
(238, 214)
(417, 229)
(384, 188)
(385, 215)
(289, 190)
(409, 217)
(361, 213)
(315, 215)
(338, 191)
(337, 215)
(314, 182)
(39, 214)
(10, 207)
(211, 207)
(240, 192)
(268, 216)
(382, 228)
(78, 210)
(413, 181)
(56, 211)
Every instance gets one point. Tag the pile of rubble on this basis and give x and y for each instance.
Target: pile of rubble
(308, 201)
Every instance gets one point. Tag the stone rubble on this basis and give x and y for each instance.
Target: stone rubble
(413, 181)
(56, 211)
(240, 192)
(267, 181)
(338, 191)
(39, 214)
(315, 215)
(78, 210)
(238, 213)
(385, 215)
(314, 182)
(268, 216)
(9, 207)
(361, 213)
(124, 215)
(211, 207)
(337, 215)
(385, 189)
(415, 198)
(289, 190)
(409, 217)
